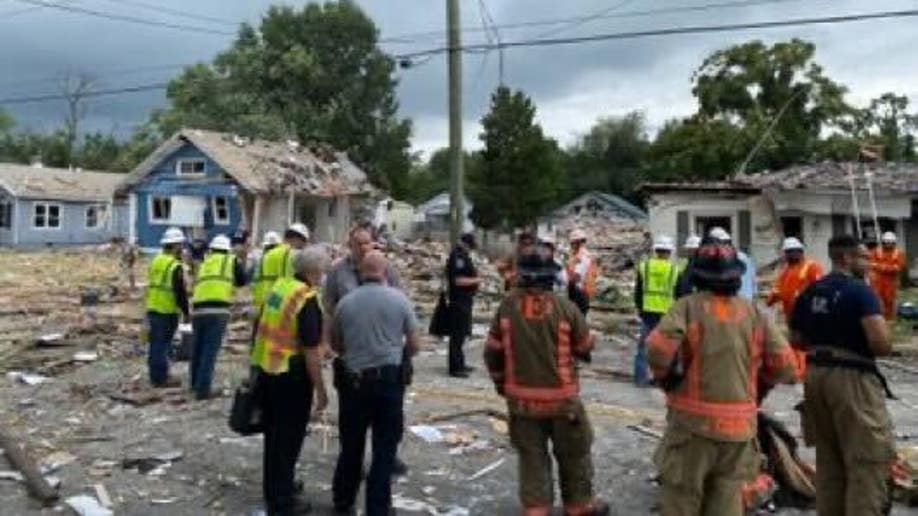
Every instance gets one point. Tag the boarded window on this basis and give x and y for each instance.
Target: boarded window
(46, 216)
(95, 216)
(6, 215)
(160, 209)
(793, 227)
(221, 211)
(190, 167)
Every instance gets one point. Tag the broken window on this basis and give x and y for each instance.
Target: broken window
(160, 209)
(95, 216)
(221, 211)
(6, 215)
(46, 216)
(793, 227)
(190, 167)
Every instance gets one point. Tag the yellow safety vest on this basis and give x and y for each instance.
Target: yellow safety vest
(659, 280)
(278, 328)
(275, 264)
(215, 279)
(160, 298)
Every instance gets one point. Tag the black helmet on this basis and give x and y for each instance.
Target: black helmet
(534, 266)
(717, 267)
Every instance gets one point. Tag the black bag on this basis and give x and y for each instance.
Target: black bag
(246, 413)
(439, 322)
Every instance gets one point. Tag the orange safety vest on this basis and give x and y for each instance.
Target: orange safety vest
(532, 325)
(792, 281)
(587, 283)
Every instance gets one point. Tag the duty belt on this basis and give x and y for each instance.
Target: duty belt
(827, 359)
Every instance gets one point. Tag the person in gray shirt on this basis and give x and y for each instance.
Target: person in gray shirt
(370, 330)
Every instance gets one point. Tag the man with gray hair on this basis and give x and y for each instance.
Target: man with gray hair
(371, 327)
(287, 358)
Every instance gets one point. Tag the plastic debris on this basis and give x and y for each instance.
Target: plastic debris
(429, 434)
(85, 505)
(487, 469)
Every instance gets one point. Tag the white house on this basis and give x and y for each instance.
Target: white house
(395, 218)
(812, 202)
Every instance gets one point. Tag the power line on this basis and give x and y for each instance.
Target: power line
(700, 29)
(176, 12)
(583, 21)
(88, 94)
(118, 72)
(436, 34)
(125, 18)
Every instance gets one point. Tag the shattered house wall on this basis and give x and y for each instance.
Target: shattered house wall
(694, 208)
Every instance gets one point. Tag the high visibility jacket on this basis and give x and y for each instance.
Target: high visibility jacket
(722, 344)
(587, 283)
(215, 279)
(278, 327)
(792, 281)
(530, 352)
(275, 264)
(160, 297)
(658, 279)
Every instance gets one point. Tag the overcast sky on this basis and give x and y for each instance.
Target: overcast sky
(571, 85)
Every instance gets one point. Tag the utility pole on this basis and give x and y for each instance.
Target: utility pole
(456, 196)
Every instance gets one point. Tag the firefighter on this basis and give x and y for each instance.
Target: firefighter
(704, 353)
(840, 322)
(886, 264)
(531, 328)
(797, 273)
(654, 287)
(581, 272)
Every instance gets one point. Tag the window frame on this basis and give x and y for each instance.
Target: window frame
(47, 216)
(182, 161)
(6, 214)
(151, 202)
(101, 214)
(220, 221)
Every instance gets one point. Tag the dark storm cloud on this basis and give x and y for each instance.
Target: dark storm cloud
(571, 85)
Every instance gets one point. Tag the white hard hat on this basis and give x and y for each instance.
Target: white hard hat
(663, 243)
(577, 235)
(221, 243)
(549, 240)
(888, 238)
(792, 244)
(720, 234)
(172, 236)
(693, 242)
(300, 229)
(271, 238)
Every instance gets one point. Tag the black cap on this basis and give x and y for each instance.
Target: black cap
(536, 266)
(718, 262)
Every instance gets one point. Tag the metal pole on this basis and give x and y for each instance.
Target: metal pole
(854, 203)
(456, 197)
(873, 205)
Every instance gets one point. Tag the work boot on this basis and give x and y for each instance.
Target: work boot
(171, 381)
(468, 369)
(399, 468)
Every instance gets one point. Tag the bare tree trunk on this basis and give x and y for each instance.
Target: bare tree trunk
(35, 481)
(74, 88)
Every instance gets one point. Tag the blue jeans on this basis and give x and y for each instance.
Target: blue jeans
(208, 337)
(641, 368)
(162, 330)
(376, 404)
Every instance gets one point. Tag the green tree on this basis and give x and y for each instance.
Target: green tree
(610, 157)
(750, 85)
(314, 74)
(520, 173)
(888, 123)
(696, 148)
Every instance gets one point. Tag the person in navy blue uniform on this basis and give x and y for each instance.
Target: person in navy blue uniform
(839, 321)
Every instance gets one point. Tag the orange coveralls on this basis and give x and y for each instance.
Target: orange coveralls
(792, 281)
(885, 267)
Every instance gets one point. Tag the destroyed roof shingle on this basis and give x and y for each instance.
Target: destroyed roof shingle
(30, 182)
(266, 166)
(886, 177)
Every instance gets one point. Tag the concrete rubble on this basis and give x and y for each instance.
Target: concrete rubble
(115, 446)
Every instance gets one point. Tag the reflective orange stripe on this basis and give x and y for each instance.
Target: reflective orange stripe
(567, 389)
(756, 348)
(693, 358)
(564, 353)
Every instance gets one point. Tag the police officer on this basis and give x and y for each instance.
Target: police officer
(654, 287)
(704, 353)
(840, 322)
(535, 338)
(166, 298)
(462, 280)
